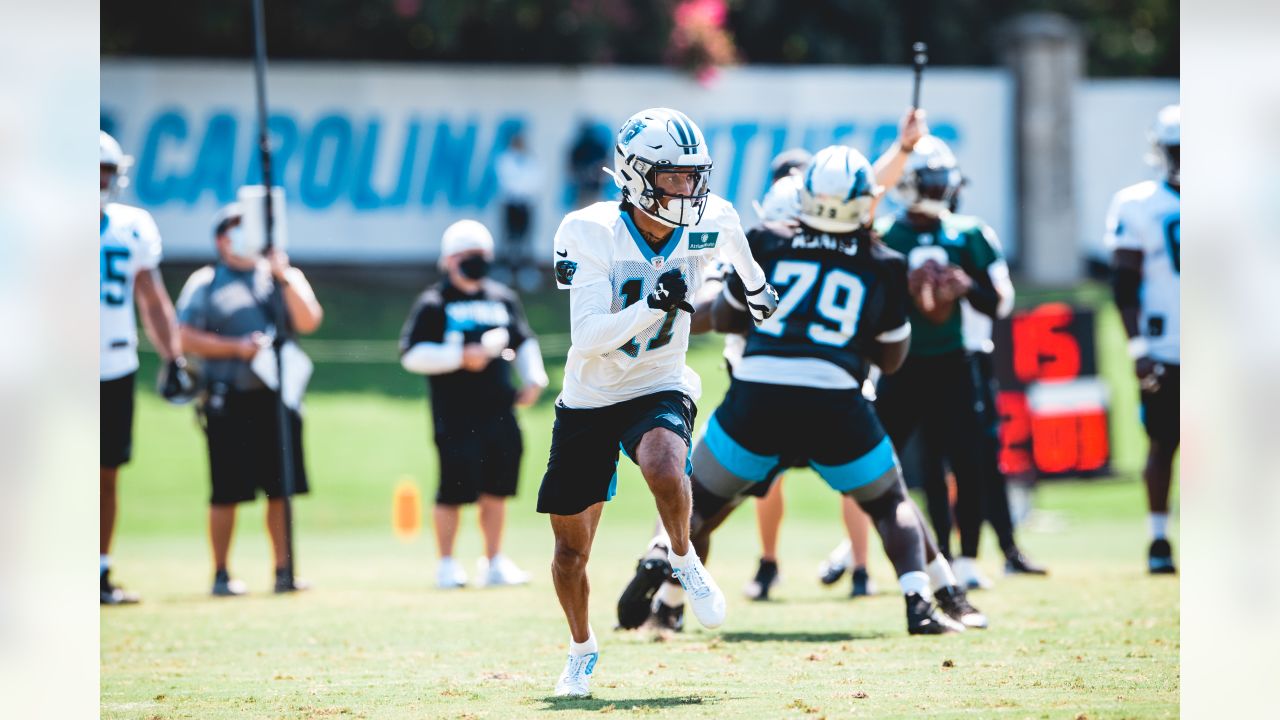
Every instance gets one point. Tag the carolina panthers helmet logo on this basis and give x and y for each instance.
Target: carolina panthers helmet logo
(565, 270)
(629, 131)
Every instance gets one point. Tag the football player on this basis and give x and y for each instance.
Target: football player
(954, 261)
(632, 269)
(1144, 235)
(843, 307)
(129, 260)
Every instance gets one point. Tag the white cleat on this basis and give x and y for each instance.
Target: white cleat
(702, 592)
(450, 575)
(575, 681)
(501, 571)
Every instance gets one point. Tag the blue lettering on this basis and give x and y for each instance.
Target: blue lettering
(450, 164)
(328, 149)
(409, 158)
(741, 134)
(214, 164)
(363, 196)
(151, 189)
(488, 187)
(778, 143)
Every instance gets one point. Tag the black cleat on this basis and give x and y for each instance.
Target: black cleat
(766, 578)
(1160, 558)
(286, 584)
(1016, 563)
(112, 595)
(667, 617)
(955, 604)
(637, 598)
(224, 586)
(862, 585)
(925, 619)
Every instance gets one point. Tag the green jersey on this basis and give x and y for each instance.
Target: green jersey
(967, 242)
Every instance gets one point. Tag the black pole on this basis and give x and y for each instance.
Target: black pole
(281, 317)
(919, 59)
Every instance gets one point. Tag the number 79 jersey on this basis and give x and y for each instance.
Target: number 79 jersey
(1146, 217)
(601, 256)
(837, 298)
(130, 243)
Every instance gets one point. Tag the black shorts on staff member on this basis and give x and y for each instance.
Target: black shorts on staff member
(244, 446)
(477, 455)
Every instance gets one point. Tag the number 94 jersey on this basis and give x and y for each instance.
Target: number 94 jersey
(837, 297)
(1146, 217)
(130, 243)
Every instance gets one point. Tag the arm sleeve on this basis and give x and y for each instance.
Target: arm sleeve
(529, 363)
(148, 239)
(595, 330)
(578, 260)
(737, 252)
(425, 346)
(992, 291)
(193, 302)
(1119, 235)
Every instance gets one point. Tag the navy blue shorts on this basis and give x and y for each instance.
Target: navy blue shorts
(477, 455)
(583, 467)
(115, 421)
(1161, 409)
(760, 430)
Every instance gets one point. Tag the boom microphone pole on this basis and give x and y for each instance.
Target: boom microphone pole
(919, 58)
(283, 419)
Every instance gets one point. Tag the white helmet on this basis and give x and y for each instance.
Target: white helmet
(661, 140)
(466, 235)
(1166, 139)
(112, 156)
(782, 202)
(930, 179)
(838, 189)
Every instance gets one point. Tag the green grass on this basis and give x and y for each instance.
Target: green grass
(1098, 638)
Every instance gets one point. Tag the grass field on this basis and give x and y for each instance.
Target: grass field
(374, 639)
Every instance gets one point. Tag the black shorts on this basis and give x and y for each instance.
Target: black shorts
(583, 467)
(244, 446)
(517, 221)
(115, 421)
(1160, 409)
(477, 455)
(761, 429)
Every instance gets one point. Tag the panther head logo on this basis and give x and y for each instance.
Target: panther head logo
(565, 270)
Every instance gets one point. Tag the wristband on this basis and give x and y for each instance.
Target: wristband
(1138, 347)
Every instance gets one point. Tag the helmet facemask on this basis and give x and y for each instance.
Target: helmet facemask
(931, 190)
(665, 199)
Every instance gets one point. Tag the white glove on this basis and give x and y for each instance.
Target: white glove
(495, 341)
(762, 302)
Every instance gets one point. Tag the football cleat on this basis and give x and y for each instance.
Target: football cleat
(1160, 558)
(286, 584)
(955, 604)
(703, 593)
(836, 564)
(1016, 563)
(667, 617)
(501, 571)
(925, 619)
(449, 574)
(766, 577)
(224, 586)
(862, 585)
(575, 680)
(637, 597)
(112, 595)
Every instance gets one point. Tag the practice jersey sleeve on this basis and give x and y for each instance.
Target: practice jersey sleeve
(147, 236)
(1119, 234)
(193, 302)
(594, 330)
(990, 257)
(426, 322)
(519, 324)
(894, 325)
(580, 259)
(736, 251)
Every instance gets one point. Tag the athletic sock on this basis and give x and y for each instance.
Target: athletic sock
(670, 594)
(104, 563)
(1159, 525)
(940, 575)
(584, 648)
(682, 561)
(916, 582)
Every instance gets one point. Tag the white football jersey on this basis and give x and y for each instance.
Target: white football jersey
(130, 244)
(1145, 217)
(599, 250)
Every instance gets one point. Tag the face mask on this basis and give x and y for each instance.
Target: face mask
(474, 267)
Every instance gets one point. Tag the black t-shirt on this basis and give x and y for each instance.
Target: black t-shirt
(443, 309)
(837, 296)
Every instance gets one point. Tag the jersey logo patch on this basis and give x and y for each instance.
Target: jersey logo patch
(658, 261)
(672, 418)
(703, 240)
(565, 270)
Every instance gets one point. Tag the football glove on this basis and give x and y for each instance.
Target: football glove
(762, 302)
(175, 384)
(671, 293)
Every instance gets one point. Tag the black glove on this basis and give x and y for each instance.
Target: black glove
(175, 383)
(670, 293)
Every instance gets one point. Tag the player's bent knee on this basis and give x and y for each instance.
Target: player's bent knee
(569, 559)
(887, 501)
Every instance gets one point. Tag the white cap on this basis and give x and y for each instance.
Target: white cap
(466, 235)
(1168, 127)
(109, 152)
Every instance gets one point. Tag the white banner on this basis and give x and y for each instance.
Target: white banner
(377, 159)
